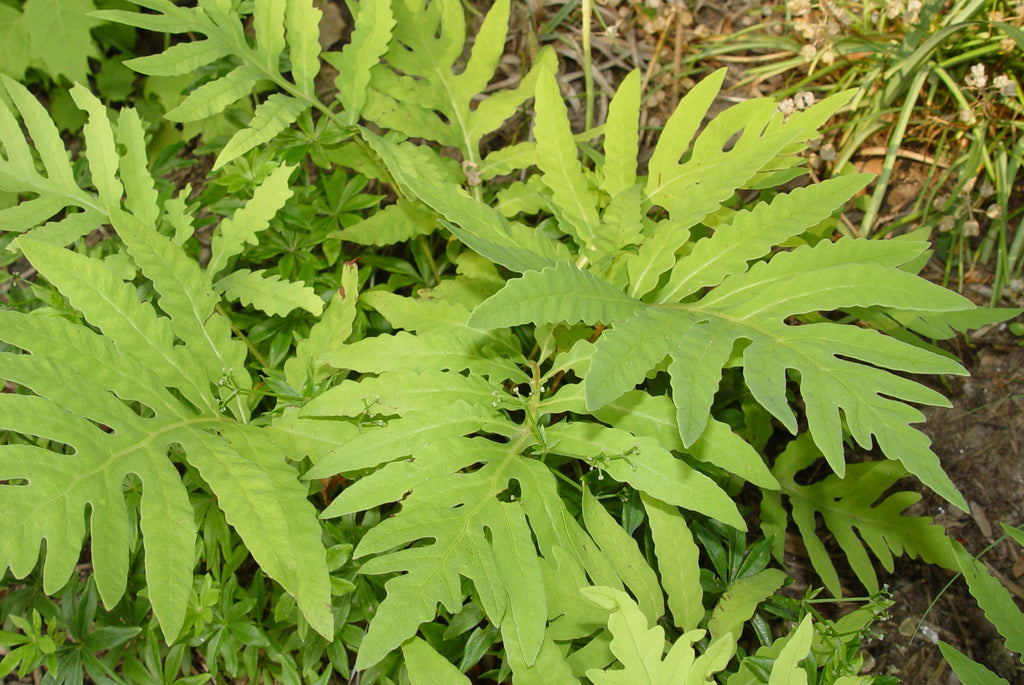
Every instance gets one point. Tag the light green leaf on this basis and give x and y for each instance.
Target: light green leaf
(327, 335)
(477, 225)
(561, 293)
(994, 599)
(678, 563)
(395, 223)
(680, 128)
(428, 93)
(186, 296)
(849, 510)
(655, 416)
(455, 512)
(427, 667)
(557, 159)
(302, 24)
(59, 36)
(645, 465)
(969, 671)
(179, 59)
(264, 501)
(215, 96)
(99, 147)
(640, 648)
(374, 22)
(625, 557)
(15, 57)
(396, 394)
(268, 25)
(786, 670)
(141, 197)
(19, 168)
(622, 137)
(269, 293)
(740, 600)
(272, 116)
(753, 232)
(113, 306)
(242, 228)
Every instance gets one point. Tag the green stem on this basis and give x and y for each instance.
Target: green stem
(588, 76)
(234, 329)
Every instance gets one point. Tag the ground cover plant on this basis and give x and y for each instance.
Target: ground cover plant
(381, 399)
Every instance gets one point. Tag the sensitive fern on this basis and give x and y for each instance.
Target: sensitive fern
(545, 452)
(130, 389)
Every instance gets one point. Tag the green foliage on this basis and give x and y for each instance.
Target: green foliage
(535, 467)
(134, 392)
(853, 514)
(50, 34)
(999, 607)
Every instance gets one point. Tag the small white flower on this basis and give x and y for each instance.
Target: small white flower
(913, 11)
(971, 228)
(894, 8)
(994, 211)
(808, 52)
(1006, 87)
(828, 152)
(803, 99)
(787, 106)
(977, 78)
(946, 224)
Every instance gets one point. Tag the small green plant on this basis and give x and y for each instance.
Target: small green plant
(514, 361)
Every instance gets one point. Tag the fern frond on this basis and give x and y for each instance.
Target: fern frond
(425, 94)
(374, 22)
(81, 394)
(269, 293)
(453, 448)
(994, 599)
(476, 224)
(278, 24)
(645, 465)
(53, 190)
(233, 234)
(640, 648)
(841, 367)
(327, 335)
(852, 512)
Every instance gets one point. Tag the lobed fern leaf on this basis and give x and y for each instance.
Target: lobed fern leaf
(269, 293)
(750, 309)
(442, 433)
(278, 24)
(146, 391)
(254, 217)
(994, 599)
(54, 190)
(424, 95)
(852, 512)
(640, 649)
(81, 387)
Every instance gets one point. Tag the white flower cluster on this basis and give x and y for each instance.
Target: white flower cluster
(797, 103)
(977, 78)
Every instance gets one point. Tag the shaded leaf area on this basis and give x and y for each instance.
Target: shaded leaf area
(855, 512)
